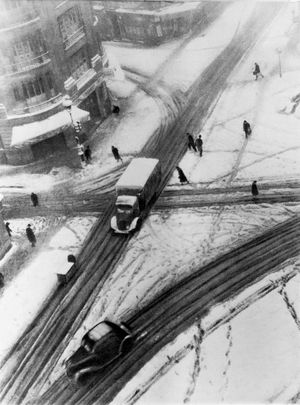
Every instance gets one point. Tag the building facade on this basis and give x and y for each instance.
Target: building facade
(149, 23)
(48, 49)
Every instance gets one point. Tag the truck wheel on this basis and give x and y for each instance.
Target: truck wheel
(138, 225)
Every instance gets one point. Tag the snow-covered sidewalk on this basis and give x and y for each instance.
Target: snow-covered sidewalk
(271, 153)
(22, 298)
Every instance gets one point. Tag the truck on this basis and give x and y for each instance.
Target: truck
(134, 190)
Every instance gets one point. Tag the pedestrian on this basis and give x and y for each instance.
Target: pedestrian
(116, 154)
(181, 176)
(199, 144)
(9, 231)
(80, 151)
(30, 235)
(34, 199)
(77, 140)
(88, 154)
(1, 280)
(257, 73)
(254, 189)
(191, 142)
(247, 128)
(116, 109)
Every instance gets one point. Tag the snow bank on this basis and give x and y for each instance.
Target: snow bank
(22, 298)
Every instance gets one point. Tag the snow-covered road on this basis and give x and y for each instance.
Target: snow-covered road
(170, 245)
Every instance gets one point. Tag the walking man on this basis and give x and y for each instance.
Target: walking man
(191, 142)
(116, 109)
(9, 231)
(30, 235)
(88, 154)
(254, 189)
(247, 128)
(199, 144)
(80, 151)
(257, 73)
(34, 199)
(116, 154)
(181, 176)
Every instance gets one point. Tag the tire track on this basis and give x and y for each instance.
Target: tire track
(197, 363)
(189, 300)
(99, 249)
(289, 305)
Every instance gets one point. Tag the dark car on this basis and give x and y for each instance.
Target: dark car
(100, 346)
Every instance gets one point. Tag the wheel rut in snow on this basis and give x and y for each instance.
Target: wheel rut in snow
(41, 346)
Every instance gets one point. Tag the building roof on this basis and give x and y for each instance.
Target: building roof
(38, 130)
(165, 11)
(137, 173)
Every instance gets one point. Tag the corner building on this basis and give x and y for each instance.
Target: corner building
(48, 49)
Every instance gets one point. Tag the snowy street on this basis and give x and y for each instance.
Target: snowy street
(210, 284)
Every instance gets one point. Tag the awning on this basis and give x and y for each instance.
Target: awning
(39, 130)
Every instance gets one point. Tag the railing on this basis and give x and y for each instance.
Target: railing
(38, 107)
(73, 38)
(25, 65)
(15, 16)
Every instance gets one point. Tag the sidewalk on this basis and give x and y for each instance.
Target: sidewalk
(271, 153)
(21, 299)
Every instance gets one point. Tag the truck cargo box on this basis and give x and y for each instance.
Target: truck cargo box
(137, 174)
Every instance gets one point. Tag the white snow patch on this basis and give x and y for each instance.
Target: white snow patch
(24, 296)
(246, 359)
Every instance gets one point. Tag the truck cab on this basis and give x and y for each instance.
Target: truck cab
(134, 190)
(127, 209)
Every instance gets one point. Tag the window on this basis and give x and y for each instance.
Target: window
(30, 89)
(17, 94)
(11, 4)
(79, 64)
(25, 92)
(69, 23)
(29, 48)
(49, 80)
(33, 88)
(135, 31)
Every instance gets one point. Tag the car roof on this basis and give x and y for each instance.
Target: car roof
(103, 328)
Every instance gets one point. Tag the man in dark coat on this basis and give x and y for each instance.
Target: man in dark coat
(34, 199)
(199, 144)
(246, 128)
(191, 142)
(181, 176)
(254, 189)
(116, 154)
(88, 154)
(257, 71)
(9, 231)
(30, 235)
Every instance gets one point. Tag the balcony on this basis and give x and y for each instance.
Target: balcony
(25, 65)
(38, 108)
(75, 37)
(10, 19)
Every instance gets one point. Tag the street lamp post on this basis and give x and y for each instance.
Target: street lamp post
(278, 50)
(67, 104)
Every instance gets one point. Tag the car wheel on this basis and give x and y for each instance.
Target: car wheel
(127, 345)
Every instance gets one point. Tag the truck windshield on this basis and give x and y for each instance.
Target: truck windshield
(124, 209)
